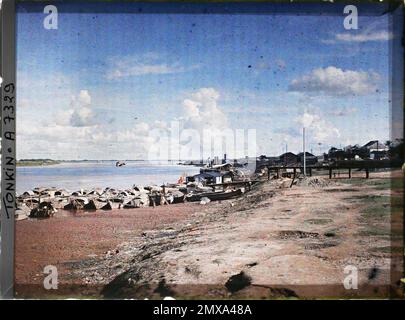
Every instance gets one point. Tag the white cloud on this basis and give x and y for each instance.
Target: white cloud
(318, 129)
(336, 82)
(367, 36)
(82, 117)
(202, 111)
(52, 81)
(84, 97)
(78, 132)
(91, 142)
(81, 114)
(292, 132)
(146, 64)
(207, 129)
(377, 31)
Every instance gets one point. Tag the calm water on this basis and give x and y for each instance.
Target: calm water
(88, 175)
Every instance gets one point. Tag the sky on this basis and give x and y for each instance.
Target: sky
(113, 85)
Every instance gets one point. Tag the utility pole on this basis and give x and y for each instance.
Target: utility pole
(303, 147)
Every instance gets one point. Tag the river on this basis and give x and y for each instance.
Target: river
(73, 176)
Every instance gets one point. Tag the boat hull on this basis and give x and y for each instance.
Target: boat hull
(215, 196)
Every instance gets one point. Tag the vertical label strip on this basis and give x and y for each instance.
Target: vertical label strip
(8, 148)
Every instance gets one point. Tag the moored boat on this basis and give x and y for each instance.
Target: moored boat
(215, 196)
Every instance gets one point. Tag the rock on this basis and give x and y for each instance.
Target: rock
(139, 201)
(31, 202)
(205, 200)
(170, 198)
(154, 189)
(315, 182)
(43, 210)
(20, 215)
(156, 234)
(28, 193)
(285, 183)
(178, 196)
(77, 193)
(59, 203)
(93, 205)
(74, 204)
(283, 292)
(107, 206)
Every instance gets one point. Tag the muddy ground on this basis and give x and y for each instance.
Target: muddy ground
(274, 242)
(69, 237)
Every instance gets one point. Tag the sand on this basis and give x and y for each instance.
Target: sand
(69, 237)
(288, 242)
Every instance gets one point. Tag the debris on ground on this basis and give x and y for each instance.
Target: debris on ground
(205, 200)
(315, 182)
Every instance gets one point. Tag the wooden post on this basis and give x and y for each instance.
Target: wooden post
(350, 173)
(295, 171)
(310, 172)
(278, 173)
(292, 181)
(367, 173)
(330, 173)
(268, 173)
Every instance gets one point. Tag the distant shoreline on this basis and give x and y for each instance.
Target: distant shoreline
(48, 162)
(37, 163)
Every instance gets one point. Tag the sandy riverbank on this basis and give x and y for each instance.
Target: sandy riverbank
(70, 237)
(269, 243)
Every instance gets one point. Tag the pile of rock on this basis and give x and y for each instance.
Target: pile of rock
(315, 182)
(44, 202)
(43, 210)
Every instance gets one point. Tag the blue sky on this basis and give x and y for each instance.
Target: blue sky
(97, 86)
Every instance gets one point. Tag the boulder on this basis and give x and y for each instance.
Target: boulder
(205, 200)
(43, 210)
(93, 205)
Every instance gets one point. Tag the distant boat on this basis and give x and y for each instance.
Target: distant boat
(120, 164)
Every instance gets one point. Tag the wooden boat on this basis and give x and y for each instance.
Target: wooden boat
(215, 196)
(94, 205)
(178, 196)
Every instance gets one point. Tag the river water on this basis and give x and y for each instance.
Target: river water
(73, 176)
